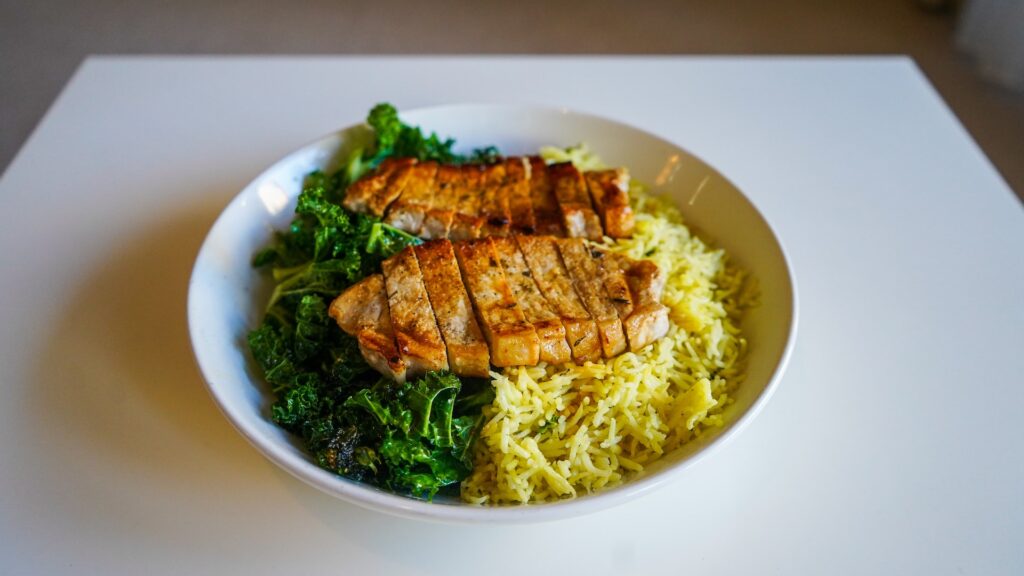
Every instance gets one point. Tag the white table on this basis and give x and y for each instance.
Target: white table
(894, 445)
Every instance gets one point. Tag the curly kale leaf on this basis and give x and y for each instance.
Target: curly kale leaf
(394, 138)
(422, 447)
(383, 118)
(299, 404)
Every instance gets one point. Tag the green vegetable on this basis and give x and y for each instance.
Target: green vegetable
(397, 139)
(414, 438)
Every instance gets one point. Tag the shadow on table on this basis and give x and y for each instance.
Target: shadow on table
(118, 389)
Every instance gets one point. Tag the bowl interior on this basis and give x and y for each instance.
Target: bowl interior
(226, 295)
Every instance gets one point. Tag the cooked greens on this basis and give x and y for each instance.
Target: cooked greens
(414, 438)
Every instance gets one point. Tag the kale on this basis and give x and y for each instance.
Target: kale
(423, 447)
(397, 139)
(394, 138)
(327, 248)
(416, 437)
(487, 155)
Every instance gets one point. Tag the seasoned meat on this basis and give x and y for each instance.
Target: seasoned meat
(521, 195)
(574, 201)
(609, 189)
(554, 349)
(647, 320)
(362, 311)
(548, 270)
(517, 185)
(419, 340)
(588, 282)
(513, 340)
(407, 212)
(373, 193)
(467, 350)
(546, 213)
(467, 191)
(614, 279)
(438, 220)
(494, 204)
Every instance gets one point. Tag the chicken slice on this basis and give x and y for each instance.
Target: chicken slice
(467, 192)
(547, 215)
(438, 219)
(613, 276)
(407, 212)
(419, 340)
(513, 340)
(554, 349)
(494, 201)
(588, 283)
(362, 311)
(609, 189)
(375, 191)
(574, 201)
(467, 349)
(517, 185)
(647, 321)
(541, 255)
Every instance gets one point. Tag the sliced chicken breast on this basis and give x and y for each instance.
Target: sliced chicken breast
(467, 349)
(589, 285)
(554, 349)
(374, 192)
(468, 194)
(517, 185)
(578, 215)
(438, 219)
(513, 340)
(547, 215)
(647, 321)
(494, 203)
(362, 311)
(407, 212)
(609, 189)
(419, 340)
(549, 272)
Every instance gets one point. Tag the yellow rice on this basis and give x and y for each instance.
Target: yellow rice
(558, 432)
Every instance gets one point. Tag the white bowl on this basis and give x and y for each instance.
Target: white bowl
(226, 295)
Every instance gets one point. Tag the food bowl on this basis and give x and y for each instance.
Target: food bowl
(227, 295)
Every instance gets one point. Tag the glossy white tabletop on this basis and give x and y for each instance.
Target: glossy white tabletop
(894, 445)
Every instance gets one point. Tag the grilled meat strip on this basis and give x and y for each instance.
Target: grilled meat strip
(467, 192)
(362, 311)
(417, 197)
(511, 301)
(554, 349)
(494, 206)
(609, 189)
(375, 192)
(517, 194)
(517, 186)
(546, 213)
(467, 350)
(571, 191)
(589, 285)
(513, 340)
(419, 340)
(548, 270)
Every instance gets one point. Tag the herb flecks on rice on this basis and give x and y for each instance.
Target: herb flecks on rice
(559, 432)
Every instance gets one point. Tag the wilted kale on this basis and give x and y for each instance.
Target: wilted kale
(401, 140)
(327, 248)
(414, 438)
